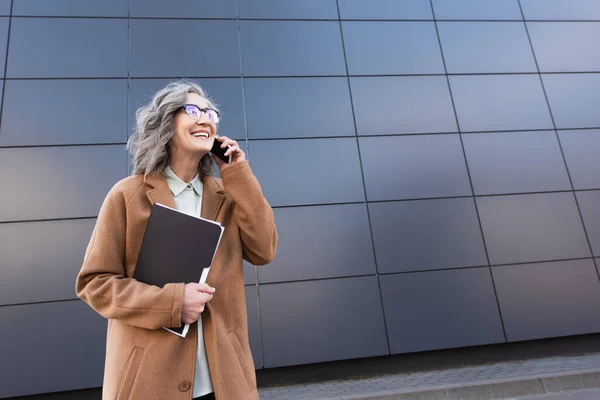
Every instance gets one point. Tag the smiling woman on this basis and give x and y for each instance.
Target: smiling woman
(172, 165)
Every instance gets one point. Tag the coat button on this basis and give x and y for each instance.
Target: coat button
(184, 386)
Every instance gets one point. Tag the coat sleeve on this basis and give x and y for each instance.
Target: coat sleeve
(102, 282)
(252, 212)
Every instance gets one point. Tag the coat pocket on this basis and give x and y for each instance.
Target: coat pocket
(246, 366)
(130, 373)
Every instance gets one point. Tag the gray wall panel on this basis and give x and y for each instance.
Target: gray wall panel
(534, 227)
(291, 48)
(548, 299)
(515, 162)
(408, 104)
(389, 48)
(561, 10)
(276, 9)
(73, 112)
(288, 177)
(67, 8)
(574, 99)
(323, 325)
(298, 107)
(405, 167)
(565, 46)
(477, 9)
(426, 234)
(60, 48)
(385, 9)
(321, 242)
(74, 181)
(5, 7)
(484, 47)
(3, 43)
(500, 102)
(40, 260)
(155, 42)
(581, 149)
(183, 9)
(442, 309)
(254, 325)
(226, 92)
(41, 342)
(588, 204)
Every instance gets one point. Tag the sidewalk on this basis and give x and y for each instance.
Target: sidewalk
(506, 380)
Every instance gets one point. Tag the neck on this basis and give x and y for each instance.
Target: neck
(185, 166)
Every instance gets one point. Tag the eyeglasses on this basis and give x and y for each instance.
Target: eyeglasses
(195, 112)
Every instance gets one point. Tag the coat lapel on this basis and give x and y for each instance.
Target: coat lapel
(212, 198)
(159, 191)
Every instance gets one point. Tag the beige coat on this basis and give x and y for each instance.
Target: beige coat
(144, 361)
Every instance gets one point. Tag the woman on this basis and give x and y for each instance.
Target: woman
(172, 165)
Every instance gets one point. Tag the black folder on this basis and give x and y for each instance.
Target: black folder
(176, 247)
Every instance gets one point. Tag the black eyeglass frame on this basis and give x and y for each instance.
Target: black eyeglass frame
(204, 110)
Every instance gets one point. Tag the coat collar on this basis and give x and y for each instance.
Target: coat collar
(212, 196)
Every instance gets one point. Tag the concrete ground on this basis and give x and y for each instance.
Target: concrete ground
(552, 378)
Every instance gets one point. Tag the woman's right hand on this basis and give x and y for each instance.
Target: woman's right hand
(195, 296)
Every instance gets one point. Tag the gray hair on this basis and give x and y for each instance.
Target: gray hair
(154, 128)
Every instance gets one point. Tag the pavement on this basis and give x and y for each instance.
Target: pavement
(552, 378)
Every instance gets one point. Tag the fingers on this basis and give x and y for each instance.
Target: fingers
(200, 287)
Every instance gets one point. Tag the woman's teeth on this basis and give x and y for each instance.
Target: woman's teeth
(200, 134)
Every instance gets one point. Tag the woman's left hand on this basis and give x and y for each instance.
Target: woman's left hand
(237, 155)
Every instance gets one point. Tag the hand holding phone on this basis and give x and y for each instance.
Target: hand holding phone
(219, 152)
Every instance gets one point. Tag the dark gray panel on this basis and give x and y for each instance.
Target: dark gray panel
(484, 47)
(321, 242)
(500, 102)
(548, 299)
(588, 204)
(3, 43)
(254, 325)
(277, 9)
(515, 162)
(324, 324)
(565, 46)
(561, 9)
(249, 273)
(408, 104)
(71, 8)
(477, 9)
(308, 171)
(155, 42)
(40, 260)
(183, 9)
(226, 92)
(581, 150)
(40, 341)
(298, 107)
(5, 7)
(385, 9)
(426, 234)
(390, 48)
(574, 99)
(71, 112)
(405, 167)
(534, 227)
(440, 310)
(61, 48)
(69, 181)
(289, 48)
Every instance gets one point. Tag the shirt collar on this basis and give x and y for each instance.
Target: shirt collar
(177, 185)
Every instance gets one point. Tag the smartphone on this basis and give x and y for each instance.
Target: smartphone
(219, 152)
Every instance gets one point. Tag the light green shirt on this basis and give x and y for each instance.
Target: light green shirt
(188, 199)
